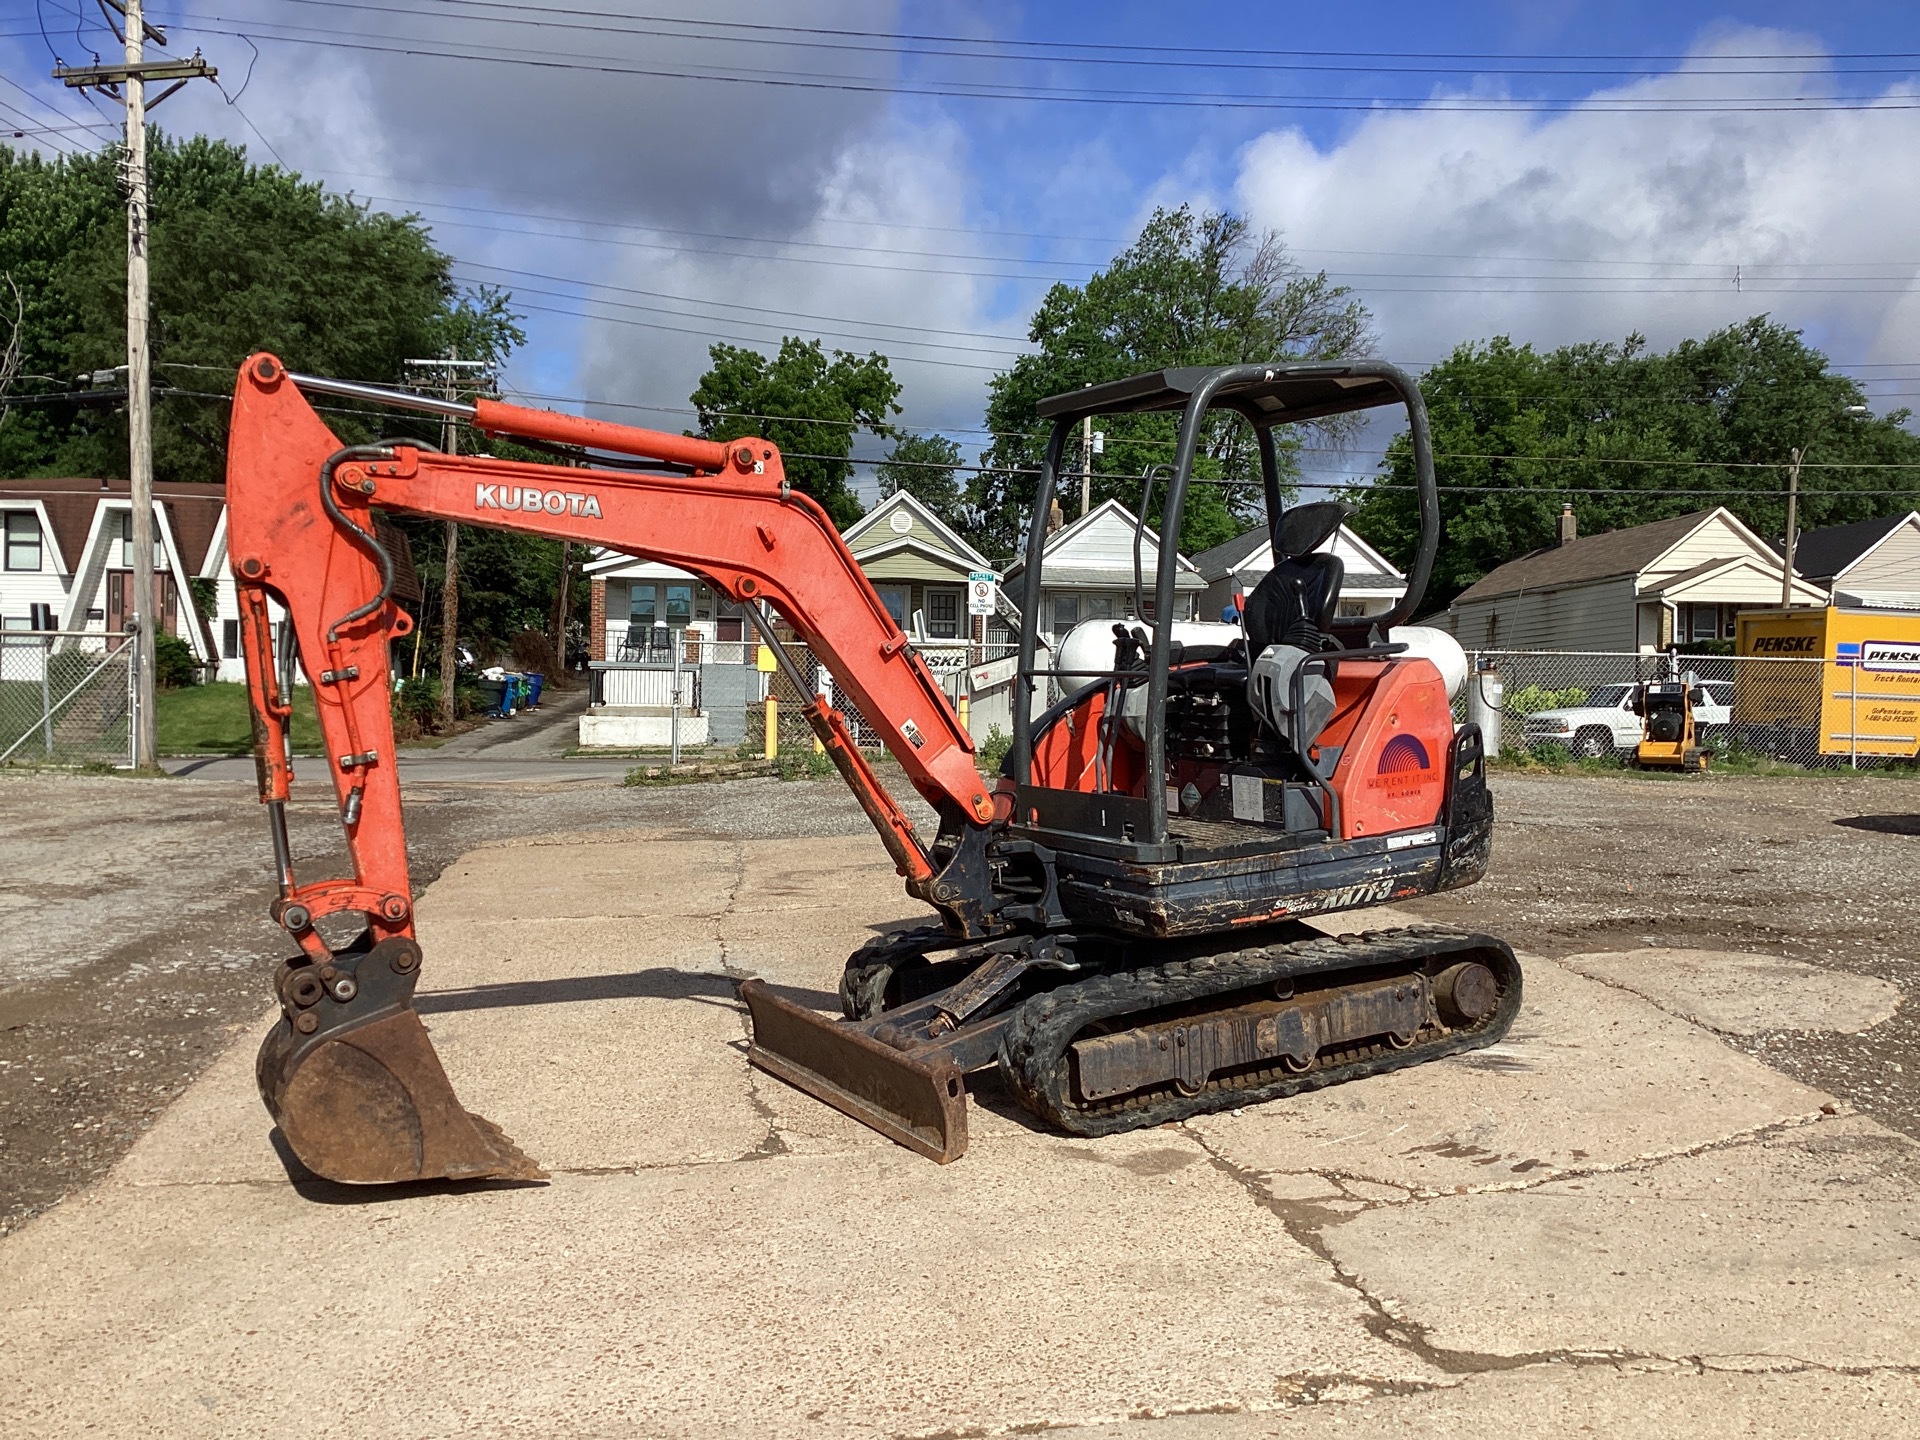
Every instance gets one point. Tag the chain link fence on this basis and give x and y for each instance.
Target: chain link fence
(1796, 710)
(66, 698)
(949, 664)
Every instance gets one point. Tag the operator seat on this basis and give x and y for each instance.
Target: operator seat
(1288, 618)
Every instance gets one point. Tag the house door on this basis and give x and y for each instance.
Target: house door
(166, 601)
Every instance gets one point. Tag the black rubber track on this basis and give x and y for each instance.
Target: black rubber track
(871, 969)
(1033, 1053)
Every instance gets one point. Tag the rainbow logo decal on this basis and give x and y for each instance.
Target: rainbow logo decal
(1402, 755)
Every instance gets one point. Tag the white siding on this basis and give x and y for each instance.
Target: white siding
(1718, 537)
(1893, 564)
(21, 590)
(1105, 544)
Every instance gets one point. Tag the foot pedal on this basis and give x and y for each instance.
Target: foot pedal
(918, 1101)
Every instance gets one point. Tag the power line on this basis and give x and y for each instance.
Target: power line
(1087, 53)
(854, 84)
(736, 305)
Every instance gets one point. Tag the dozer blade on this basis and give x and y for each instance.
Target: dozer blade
(354, 1084)
(921, 1102)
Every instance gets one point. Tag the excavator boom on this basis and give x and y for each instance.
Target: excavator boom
(355, 1084)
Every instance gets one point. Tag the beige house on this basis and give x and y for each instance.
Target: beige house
(1873, 563)
(919, 565)
(1671, 582)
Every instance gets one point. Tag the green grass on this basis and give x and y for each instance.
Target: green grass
(213, 720)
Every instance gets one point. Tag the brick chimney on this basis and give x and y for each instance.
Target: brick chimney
(597, 619)
(1569, 527)
(1055, 517)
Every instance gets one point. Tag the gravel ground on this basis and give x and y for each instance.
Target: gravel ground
(134, 943)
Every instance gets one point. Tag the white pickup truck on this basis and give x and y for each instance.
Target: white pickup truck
(1606, 724)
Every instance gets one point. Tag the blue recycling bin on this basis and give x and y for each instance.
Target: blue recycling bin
(535, 684)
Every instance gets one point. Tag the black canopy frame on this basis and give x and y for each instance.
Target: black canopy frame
(1281, 393)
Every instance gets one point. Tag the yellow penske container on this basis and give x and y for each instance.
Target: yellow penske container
(1847, 682)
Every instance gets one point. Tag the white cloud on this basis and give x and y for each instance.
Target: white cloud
(894, 190)
(1804, 204)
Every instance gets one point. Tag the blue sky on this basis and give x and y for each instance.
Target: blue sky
(638, 216)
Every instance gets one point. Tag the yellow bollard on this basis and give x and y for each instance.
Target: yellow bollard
(964, 707)
(773, 729)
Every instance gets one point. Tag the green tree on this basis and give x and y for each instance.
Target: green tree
(808, 403)
(926, 467)
(1191, 290)
(244, 258)
(1617, 430)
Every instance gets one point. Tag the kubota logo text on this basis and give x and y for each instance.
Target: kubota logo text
(531, 498)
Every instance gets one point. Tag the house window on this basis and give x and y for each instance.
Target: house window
(1099, 607)
(1353, 610)
(943, 614)
(679, 606)
(642, 604)
(123, 540)
(1706, 623)
(895, 598)
(23, 540)
(230, 639)
(1066, 613)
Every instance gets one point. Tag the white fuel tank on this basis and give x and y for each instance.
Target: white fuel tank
(1435, 645)
(1089, 645)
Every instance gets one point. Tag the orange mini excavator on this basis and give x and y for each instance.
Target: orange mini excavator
(1117, 918)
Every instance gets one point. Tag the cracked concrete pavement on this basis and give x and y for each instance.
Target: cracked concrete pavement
(1611, 1220)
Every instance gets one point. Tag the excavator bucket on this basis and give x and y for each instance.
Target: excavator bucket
(918, 1100)
(354, 1084)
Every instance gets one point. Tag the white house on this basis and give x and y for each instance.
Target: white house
(1874, 563)
(1086, 572)
(1372, 585)
(67, 562)
(1669, 582)
(637, 604)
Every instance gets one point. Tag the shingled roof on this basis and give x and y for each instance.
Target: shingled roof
(193, 511)
(1593, 557)
(1819, 555)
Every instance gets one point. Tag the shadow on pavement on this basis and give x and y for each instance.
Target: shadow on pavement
(702, 986)
(638, 985)
(309, 1186)
(1883, 824)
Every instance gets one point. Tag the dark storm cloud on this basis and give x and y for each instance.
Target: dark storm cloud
(667, 151)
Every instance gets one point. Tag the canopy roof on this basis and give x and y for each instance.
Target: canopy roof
(1275, 394)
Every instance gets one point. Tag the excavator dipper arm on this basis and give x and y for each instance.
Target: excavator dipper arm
(349, 1072)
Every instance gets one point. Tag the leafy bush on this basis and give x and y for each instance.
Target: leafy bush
(993, 750)
(1529, 699)
(174, 665)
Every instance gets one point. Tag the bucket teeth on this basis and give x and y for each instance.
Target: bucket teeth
(360, 1095)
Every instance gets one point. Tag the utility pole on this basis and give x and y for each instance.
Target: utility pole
(560, 616)
(1086, 465)
(1793, 515)
(133, 76)
(450, 366)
